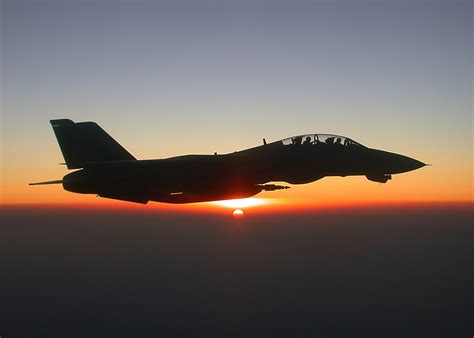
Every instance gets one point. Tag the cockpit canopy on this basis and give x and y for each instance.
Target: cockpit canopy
(320, 139)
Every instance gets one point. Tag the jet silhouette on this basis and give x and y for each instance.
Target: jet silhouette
(109, 170)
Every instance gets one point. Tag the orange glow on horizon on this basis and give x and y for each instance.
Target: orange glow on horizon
(422, 185)
(415, 188)
(213, 209)
(242, 202)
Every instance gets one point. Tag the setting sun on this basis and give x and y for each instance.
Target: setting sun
(238, 213)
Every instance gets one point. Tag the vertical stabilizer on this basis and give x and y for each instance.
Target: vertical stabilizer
(86, 142)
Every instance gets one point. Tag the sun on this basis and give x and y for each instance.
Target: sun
(238, 213)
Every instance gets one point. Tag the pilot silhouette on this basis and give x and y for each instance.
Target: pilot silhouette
(307, 140)
(297, 140)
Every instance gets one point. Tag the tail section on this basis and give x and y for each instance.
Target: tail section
(85, 142)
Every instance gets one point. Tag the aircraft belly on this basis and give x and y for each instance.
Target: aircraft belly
(198, 181)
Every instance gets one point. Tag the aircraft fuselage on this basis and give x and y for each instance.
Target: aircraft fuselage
(198, 178)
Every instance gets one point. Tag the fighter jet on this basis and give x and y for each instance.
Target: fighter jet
(108, 170)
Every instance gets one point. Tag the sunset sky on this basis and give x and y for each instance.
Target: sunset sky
(173, 78)
(337, 258)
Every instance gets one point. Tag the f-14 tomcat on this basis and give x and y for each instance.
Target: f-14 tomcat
(108, 170)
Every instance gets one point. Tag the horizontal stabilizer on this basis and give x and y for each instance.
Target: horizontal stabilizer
(47, 182)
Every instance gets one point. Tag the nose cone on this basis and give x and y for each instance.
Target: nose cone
(409, 164)
(402, 164)
(395, 163)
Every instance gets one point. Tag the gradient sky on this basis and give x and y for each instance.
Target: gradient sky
(171, 78)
